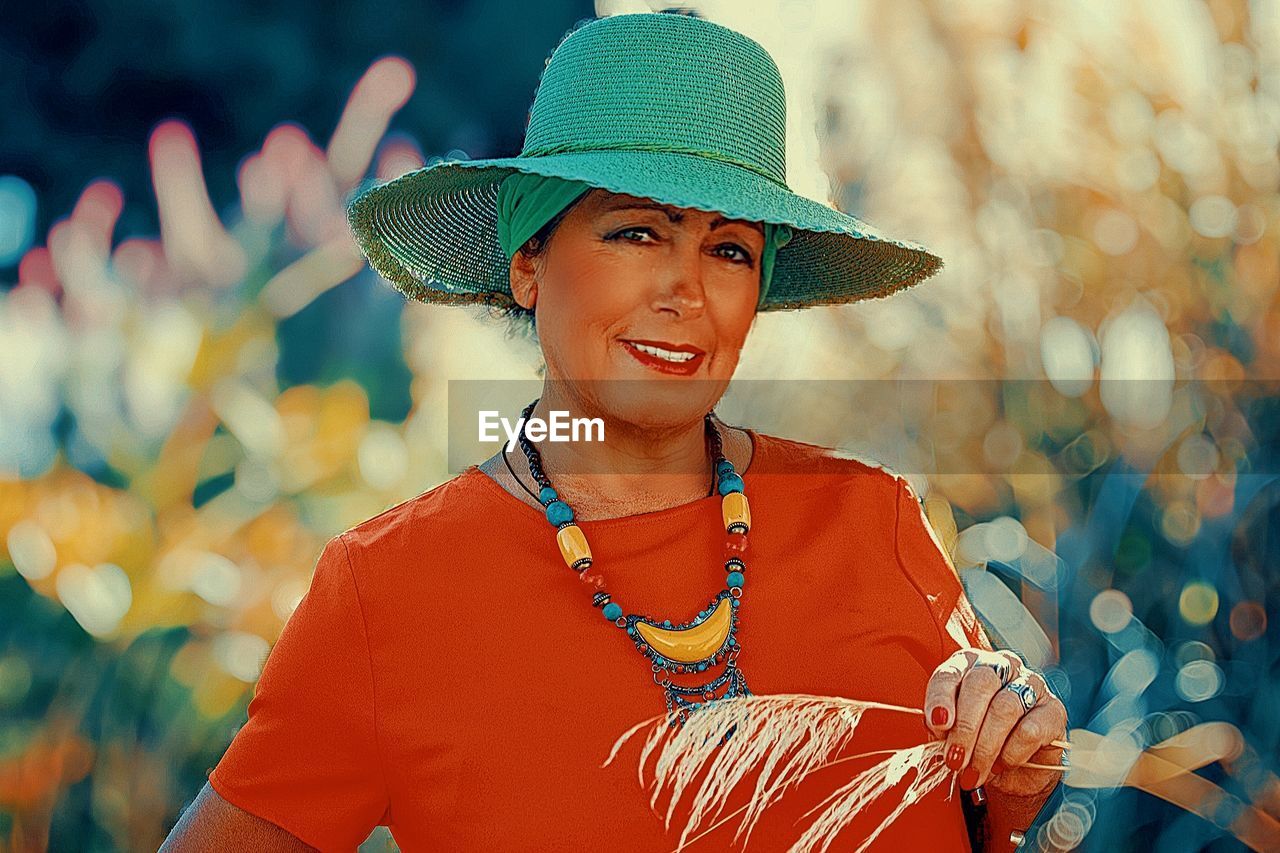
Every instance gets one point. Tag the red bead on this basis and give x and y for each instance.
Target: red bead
(592, 579)
(735, 545)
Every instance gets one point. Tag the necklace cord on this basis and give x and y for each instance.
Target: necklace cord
(516, 477)
(713, 440)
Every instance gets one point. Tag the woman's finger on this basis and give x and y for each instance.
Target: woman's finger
(977, 688)
(1008, 664)
(1004, 722)
(1045, 722)
(940, 693)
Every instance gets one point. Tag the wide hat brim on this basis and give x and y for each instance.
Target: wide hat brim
(432, 233)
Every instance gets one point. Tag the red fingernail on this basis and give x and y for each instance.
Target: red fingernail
(969, 779)
(955, 756)
(998, 768)
(939, 716)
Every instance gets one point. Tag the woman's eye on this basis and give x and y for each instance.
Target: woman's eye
(745, 256)
(626, 231)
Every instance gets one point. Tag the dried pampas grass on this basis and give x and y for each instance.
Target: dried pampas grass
(787, 737)
(931, 771)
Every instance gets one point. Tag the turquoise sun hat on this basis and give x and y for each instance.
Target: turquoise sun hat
(667, 107)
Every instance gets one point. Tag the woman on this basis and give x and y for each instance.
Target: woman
(447, 675)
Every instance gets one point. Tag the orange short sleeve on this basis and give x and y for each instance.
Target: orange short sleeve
(308, 758)
(926, 562)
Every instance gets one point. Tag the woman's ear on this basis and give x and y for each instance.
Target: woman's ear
(524, 281)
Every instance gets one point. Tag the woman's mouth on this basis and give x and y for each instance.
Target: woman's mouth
(682, 360)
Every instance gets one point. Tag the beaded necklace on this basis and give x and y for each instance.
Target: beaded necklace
(688, 647)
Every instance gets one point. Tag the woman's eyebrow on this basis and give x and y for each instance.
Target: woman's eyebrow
(676, 216)
(720, 221)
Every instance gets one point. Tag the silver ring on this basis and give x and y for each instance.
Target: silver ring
(1025, 692)
(1002, 668)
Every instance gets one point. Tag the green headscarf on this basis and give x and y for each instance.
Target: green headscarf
(527, 202)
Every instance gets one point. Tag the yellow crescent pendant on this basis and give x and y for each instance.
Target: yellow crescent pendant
(693, 644)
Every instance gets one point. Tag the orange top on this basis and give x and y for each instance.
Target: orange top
(447, 676)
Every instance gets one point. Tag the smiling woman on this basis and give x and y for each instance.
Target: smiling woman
(464, 661)
(628, 292)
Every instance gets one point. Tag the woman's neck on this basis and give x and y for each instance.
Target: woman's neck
(633, 471)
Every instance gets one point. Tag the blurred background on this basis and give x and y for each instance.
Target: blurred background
(201, 382)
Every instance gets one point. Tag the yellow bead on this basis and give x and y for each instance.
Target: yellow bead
(736, 510)
(573, 546)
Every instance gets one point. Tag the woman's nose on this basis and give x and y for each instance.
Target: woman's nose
(681, 276)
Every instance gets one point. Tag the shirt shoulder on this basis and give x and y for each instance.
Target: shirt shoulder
(416, 535)
(422, 515)
(823, 466)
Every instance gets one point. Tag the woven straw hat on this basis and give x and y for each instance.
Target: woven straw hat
(668, 107)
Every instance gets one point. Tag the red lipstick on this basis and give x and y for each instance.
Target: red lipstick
(663, 365)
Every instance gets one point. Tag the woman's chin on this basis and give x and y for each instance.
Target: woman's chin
(636, 394)
(655, 405)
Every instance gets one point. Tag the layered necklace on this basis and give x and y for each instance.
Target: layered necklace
(687, 647)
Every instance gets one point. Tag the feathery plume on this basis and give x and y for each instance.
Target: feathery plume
(787, 737)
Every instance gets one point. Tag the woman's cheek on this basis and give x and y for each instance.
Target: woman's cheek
(725, 363)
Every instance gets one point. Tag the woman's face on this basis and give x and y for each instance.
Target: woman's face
(642, 309)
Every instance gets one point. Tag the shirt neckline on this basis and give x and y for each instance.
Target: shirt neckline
(503, 496)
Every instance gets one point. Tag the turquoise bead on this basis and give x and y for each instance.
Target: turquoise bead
(558, 512)
(724, 467)
(735, 579)
(547, 495)
(612, 611)
(731, 483)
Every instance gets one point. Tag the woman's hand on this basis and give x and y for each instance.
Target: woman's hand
(989, 732)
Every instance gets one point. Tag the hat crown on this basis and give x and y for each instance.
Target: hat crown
(662, 82)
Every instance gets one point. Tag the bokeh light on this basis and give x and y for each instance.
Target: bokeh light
(1199, 680)
(1248, 621)
(1110, 611)
(17, 218)
(1198, 603)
